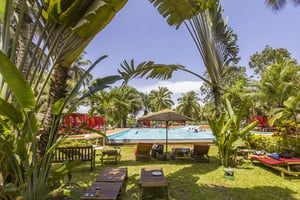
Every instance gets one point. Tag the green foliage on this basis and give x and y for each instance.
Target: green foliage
(229, 133)
(268, 56)
(278, 144)
(189, 105)
(12, 76)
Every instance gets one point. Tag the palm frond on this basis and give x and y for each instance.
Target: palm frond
(147, 69)
(175, 11)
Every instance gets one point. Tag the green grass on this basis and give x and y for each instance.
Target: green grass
(190, 180)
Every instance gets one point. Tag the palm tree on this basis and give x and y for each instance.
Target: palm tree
(279, 81)
(288, 112)
(160, 99)
(128, 101)
(116, 105)
(79, 24)
(214, 40)
(146, 103)
(189, 105)
(76, 71)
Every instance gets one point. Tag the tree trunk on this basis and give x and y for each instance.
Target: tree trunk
(217, 97)
(124, 121)
(57, 91)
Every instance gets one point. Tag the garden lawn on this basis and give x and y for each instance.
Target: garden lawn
(192, 181)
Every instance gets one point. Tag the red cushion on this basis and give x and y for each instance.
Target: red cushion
(268, 160)
(290, 159)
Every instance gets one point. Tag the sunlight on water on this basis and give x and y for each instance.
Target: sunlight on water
(187, 132)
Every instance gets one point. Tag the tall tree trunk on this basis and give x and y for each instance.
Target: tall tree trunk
(217, 97)
(124, 121)
(57, 91)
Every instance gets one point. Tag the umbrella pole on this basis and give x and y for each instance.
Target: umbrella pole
(166, 140)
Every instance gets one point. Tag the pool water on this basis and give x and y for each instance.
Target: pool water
(182, 134)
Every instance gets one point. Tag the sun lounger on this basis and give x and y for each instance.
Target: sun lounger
(111, 183)
(181, 153)
(143, 151)
(286, 166)
(200, 153)
(111, 155)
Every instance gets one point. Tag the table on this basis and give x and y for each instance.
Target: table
(149, 180)
(108, 191)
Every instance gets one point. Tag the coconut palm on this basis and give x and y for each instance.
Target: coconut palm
(214, 40)
(128, 102)
(146, 102)
(279, 81)
(160, 99)
(76, 71)
(288, 112)
(189, 105)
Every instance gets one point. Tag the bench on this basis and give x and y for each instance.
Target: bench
(82, 153)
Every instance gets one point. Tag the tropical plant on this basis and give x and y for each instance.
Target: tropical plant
(25, 174)
(279, 81)
(40, 39)
(146, 103)
(214, 40)
(288, 112)
(189, 105)
(76, 71)
(47, 37)
(229, 133)
(128, 101)
(75, 25)
(116, 105)
(160, 99)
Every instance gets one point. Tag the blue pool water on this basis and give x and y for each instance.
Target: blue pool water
(182, 134)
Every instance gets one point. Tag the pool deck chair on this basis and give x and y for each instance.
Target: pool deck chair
(143, 151)
(286, 166)
(181, 154)
(200, 153)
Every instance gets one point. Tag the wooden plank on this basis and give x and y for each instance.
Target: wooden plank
(108, 191)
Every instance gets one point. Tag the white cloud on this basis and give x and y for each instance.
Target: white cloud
(175, 87)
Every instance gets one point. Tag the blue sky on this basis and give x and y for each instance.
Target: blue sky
(139, 32)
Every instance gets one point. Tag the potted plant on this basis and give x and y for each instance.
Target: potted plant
(230, 135)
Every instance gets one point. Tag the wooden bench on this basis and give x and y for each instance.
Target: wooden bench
(82, 153)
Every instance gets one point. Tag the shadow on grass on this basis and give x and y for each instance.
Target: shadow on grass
(259, 192)
(188, 180)
(277, 172)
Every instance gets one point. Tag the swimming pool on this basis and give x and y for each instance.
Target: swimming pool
(158, 135)
(175, 135)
